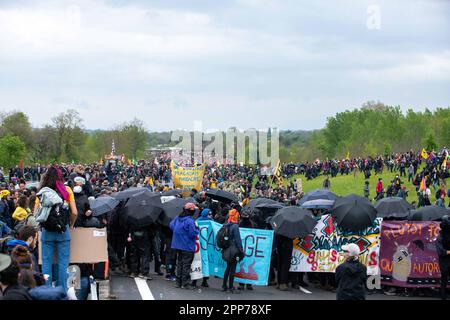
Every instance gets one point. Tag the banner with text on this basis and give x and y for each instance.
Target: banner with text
(321, 251)
(408, 254)
(187, 178)
(253, 269)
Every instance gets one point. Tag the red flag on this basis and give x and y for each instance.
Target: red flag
(21, 164)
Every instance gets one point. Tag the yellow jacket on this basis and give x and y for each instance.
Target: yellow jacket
(20, 213)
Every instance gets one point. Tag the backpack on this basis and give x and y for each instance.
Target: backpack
(223, 237)
(58, 218)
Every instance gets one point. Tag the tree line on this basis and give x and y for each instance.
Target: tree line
(370, 130)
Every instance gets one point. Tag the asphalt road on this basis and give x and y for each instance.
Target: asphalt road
(126, 288)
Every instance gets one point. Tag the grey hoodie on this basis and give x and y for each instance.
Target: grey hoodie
(48, 198)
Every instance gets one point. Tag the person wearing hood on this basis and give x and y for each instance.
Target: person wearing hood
(185, 233)
(84, 217)
(246, 222)
(443, 250)
(234, 253)
(205, 215)
(351, 276)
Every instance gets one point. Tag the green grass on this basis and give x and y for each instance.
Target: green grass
(344, 185)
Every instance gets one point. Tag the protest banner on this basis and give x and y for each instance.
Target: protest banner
(196, 266)
(408, 256)
(253, 269)
(187, 178)
(321, 251)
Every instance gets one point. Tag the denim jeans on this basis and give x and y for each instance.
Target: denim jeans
(60, 242)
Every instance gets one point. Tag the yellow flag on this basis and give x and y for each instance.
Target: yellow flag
(424, 154)
(277, 173)
(347, 156)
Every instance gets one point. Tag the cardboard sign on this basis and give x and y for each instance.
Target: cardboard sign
(87, 245)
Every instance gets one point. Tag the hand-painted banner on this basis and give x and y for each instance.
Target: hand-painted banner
(196, 266)
(187, 178)
(408, 254)
(321, 251)
(253, 269)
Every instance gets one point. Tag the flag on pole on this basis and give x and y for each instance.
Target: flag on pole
(423, 184)
(424, 154)
(113, 148)
(347, 156)
(277, 173)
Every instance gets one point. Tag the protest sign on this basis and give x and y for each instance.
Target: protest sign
(321, 251)
(253, 269)
(196, 266)
(87, 245)
(408, 256)
(187, 178)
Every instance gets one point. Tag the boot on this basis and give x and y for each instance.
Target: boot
(284, 287)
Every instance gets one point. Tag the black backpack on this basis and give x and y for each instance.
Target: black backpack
(223, 237)
(58, 218)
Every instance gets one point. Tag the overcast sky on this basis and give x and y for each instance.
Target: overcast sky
(245, 63)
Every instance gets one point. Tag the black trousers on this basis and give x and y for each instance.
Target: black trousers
(444, 265)
(184, 262)
(140, 255)
(284, 262)
(229, 274)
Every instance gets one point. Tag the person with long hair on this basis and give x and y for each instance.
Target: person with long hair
(52, 189)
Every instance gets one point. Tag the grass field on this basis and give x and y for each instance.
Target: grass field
(344, 185)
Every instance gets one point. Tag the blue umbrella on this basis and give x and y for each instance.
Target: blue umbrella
(323, 194)
(318, 204)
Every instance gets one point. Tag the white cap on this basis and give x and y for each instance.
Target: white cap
(79, 180)
(352, 249)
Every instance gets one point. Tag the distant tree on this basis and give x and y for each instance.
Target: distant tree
(12, 150)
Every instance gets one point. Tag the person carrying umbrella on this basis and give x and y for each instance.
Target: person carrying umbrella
(185, 233)
(351, 276)
(234, 253)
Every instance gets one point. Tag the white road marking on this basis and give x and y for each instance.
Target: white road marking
(305, 291)
(144, 290)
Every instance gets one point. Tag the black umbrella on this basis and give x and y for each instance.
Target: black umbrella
(142, 209)
(393, 207)
(174, 192)
(103, 204)
(260, 209)
(323, 194)
(353, 213)
(428, 213)
(293, 222)
(128, 193)
(221, 195)
(171, 209)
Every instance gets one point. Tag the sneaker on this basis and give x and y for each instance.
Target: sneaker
(187, 287)
(145, 277)
(205, 284)
(177, 285)
(133, 275)
(391, 292)
(235, 291)
(224, 289)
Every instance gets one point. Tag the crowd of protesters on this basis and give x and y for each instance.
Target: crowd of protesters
(131, 250)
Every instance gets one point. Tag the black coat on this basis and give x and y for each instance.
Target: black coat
(16, 292)
(351, 278)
